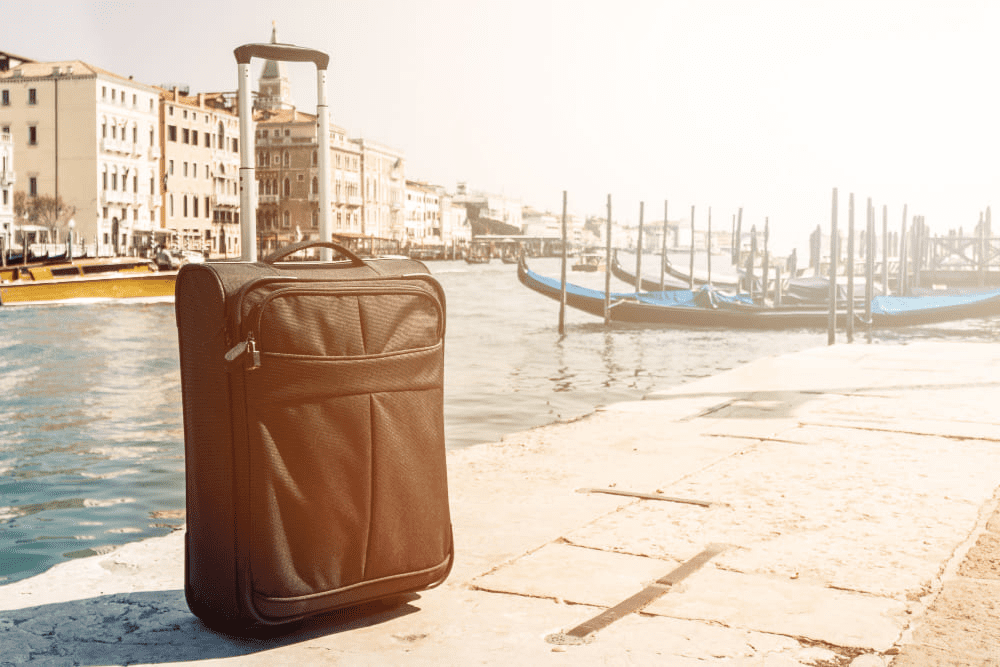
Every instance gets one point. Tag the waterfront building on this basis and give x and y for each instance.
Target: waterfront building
(90, 138)
(383, 184)
(199, 172)
(423, 213)
(7, 181)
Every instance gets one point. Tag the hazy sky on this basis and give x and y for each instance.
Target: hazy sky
(764, 105)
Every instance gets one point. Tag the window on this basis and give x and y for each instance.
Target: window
(315, 185)
(187, 135)
(32, 96)
(134, 100)
(33, 186)
(104, 95)
(170, 111)
(185, 206)
(32, 135)
(315, 158)
(288, 188)
(285, 158)
(135, 183)
(194, 166)
(135, 135)
(170, 167)
(104, 130)
(194, 205)
(5, 97)
(194, 137)
(185, 113)
(286, 220)
(113, 93)
(236, 145)
(208, 143)
(172, 132)
(315, 218)
(5, 197)
(206, 206)
(104, 181)
(114, 181)
(151, 135)
(185, 169)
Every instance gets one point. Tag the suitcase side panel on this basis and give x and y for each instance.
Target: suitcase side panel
(211, 584)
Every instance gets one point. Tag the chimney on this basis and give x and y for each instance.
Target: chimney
(201, 100)
(176, 94)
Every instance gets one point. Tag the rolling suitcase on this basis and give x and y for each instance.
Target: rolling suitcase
(313, 430)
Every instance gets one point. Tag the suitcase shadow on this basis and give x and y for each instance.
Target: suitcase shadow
(157, 627)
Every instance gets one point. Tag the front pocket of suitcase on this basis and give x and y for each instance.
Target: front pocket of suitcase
(348, 496)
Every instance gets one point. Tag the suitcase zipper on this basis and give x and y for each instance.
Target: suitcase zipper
(249, 345)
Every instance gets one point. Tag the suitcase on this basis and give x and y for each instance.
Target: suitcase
(313, 425)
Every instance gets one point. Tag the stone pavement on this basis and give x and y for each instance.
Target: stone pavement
(847, 496)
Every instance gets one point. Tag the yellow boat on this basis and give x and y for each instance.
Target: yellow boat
(104, 278)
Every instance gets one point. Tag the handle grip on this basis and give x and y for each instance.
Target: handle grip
(293, 248)
(285, 52)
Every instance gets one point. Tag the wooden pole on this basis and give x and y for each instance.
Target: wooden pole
(638, 254)
(869, 267)
(708, 243)
(750, 263)
(885, 249)
(737, 246)
(663, 249)
(562, 287)
(691, 263)
(831, 327)
(849, 267)
(982, 250)
(765, 262)
(903, 288)
(607, 268)
(732, 241)
(777, 285)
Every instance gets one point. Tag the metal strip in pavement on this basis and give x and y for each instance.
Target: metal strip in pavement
(647, 496)
(640, 600)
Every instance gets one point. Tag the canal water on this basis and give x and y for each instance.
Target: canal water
(91, 434)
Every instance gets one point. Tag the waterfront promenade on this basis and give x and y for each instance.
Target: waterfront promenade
(840, 510)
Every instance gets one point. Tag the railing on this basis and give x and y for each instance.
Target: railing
(7, 178)
(234, 200)
(154, 152)
(268, 199)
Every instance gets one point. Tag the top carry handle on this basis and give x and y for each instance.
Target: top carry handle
(248, 187)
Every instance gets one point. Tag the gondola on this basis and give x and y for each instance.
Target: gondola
(707, 308)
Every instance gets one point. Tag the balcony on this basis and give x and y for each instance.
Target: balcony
(7, 178)
(109, 145)
(352, 200)
(118, 197)
(268, 199)
(234, 200)
(155, 201)
(154, 152)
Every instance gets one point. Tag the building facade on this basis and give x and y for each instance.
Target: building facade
(200, 172)
(7, 181)
(422, 219)
(383, 191)
(90, 138)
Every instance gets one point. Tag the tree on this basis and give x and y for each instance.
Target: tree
(43, 210)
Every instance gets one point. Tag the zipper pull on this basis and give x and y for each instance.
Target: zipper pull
(248, 346)
(254, 353)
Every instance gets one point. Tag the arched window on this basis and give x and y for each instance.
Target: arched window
(221, 136)
(185, 206)
(287, 222)
(288, 188)
(260, 187)
(315, 158)
(315, 185)
(285, 159)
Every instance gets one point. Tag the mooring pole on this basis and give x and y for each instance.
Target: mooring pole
(982, 250)
(562, 285)
(607, 268)
(638, 254)
(849, 268)
(831, 327)
(708, 245)
(869, 267)
(691, 263)
(885, 249)
(765, 262)
(736, 249)
(663, 249)
(904, 289)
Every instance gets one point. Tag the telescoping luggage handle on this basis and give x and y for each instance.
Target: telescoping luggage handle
(293, 248)
(248, 187)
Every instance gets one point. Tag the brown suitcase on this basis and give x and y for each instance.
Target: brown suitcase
(314, 436)
(313, 417)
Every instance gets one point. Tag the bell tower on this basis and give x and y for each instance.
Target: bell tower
(274, 92)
